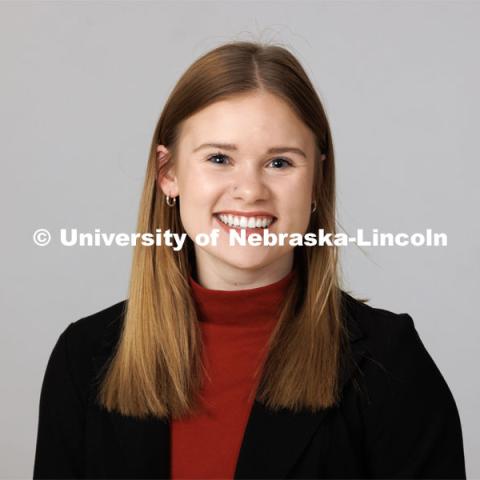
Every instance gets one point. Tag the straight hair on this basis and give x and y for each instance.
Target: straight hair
(156, 368)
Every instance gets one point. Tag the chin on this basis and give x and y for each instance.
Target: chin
(246, 261)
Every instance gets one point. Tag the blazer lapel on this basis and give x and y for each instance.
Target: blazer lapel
(272, 442)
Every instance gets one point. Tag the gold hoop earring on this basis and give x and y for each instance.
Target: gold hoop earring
(174, 201)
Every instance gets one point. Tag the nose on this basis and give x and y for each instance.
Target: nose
(249, 185)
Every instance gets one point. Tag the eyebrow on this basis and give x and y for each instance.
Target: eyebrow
(229, 146)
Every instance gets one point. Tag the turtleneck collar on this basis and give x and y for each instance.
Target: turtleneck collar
(250, 306)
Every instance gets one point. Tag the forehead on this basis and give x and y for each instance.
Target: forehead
(247, 120)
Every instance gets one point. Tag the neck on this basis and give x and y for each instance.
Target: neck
(216, 275)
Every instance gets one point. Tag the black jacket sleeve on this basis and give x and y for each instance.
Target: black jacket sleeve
(60, 436)
(412, 424)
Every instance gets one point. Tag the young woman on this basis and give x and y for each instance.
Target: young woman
(238, 361)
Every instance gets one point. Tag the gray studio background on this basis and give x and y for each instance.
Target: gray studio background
(82, 85)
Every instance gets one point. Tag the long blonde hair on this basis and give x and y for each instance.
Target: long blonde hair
(156, 368)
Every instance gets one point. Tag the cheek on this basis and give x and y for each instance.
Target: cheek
(198, 188)
(199, 195)
(295, 201)
(298, 214)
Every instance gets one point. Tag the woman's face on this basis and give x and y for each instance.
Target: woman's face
(244, 176)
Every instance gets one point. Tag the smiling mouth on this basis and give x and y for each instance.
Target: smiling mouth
(234, 221)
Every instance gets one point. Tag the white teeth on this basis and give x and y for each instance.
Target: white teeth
(244, 222)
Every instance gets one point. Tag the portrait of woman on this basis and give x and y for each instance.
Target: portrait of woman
(241, 361)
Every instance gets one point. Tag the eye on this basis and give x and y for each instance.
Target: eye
(215, 156)
(284, 160)
(221, 161)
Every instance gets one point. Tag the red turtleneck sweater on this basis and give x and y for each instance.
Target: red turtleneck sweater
(235, 326)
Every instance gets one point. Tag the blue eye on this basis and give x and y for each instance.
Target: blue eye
(282, 160)
(212, 158)
(216, 155)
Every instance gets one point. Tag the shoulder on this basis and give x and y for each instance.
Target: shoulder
(86, 340)
(411, 424)
(74, 358)
(87, 334)
(379, 329)
(393, 360)
(384, 336)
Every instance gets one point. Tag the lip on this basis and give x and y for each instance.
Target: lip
(256, 213)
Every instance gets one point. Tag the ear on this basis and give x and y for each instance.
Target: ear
(168, 181)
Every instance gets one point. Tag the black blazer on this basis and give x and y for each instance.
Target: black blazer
(397, 417)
